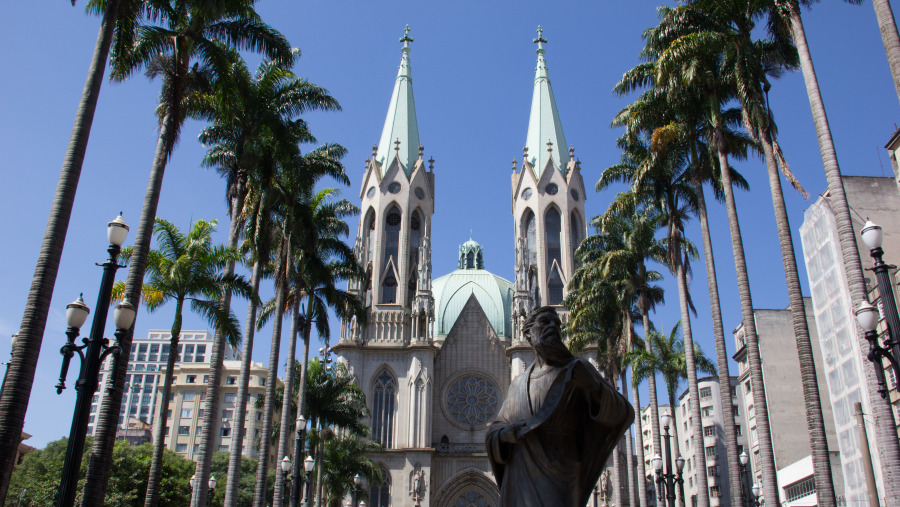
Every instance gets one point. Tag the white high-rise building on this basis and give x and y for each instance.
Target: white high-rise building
(145, 367)
(869, 197)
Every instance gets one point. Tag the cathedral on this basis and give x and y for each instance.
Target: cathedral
(437, 355)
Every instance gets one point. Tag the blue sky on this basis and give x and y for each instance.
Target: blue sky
(473, 68)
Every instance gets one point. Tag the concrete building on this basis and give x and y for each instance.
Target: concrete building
(137, 432)
(187, 403)
(877, 199)
(783, 388)
(649, 451)
(712, 415)
(437, 356)
(145, 367)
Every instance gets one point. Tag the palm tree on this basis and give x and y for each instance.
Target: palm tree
(174, 40)
(670, 359)
(20, 376)
(250, 116)
(345, 457)
(185, 268)
(323, 260)
(889, 36)
(660, 182)
(888, 444)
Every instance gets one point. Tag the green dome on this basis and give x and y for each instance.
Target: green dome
(452, 291)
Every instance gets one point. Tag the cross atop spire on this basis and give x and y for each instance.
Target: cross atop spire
(406, 39)
(540, 41)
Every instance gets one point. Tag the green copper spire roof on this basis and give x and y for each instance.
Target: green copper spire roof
(545, 137)
(400, 136)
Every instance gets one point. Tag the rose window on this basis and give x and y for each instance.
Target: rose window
(473, 399)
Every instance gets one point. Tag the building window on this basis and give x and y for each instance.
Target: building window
(226, 432)
(180, 447)
(391, 260)
(737, 430)
(552, 230)
(709, 431)
(711, 451)
(227, 414)
(750, 411)
(262, 381)
(754, 436)
(383, 407)
(206, 379)
(747, 387)
(712, 471)
(230, 397)
(380, 494)
(187, 412)
(189, 396)
(707, 411)
(714, 492)
(705, 393)
(191, 379)
(577, 235)
(184, 430)
(231, 381)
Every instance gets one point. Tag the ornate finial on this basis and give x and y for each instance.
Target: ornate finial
(421, 151)
(406, 39)
(525, 154)
(470, 234)
(514, 165)
(431, 163)
(374, 151)
(540, 40)
(571, 151)
(549, 145)
(397, 145)
(368, 161)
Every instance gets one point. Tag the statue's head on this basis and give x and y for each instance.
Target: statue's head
(542, 330)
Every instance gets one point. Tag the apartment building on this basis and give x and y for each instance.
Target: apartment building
(187, 403)
(145, 367)
(712, 415)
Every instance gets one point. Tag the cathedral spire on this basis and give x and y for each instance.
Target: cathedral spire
(400, 125)
(544, 126)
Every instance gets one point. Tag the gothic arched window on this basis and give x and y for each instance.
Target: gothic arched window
(415, 239)
(470, 260)
(576, 235)
(552, 229)
(369, 237)
(380, 494)
(530, 228)
(391, 247)
(384, 406)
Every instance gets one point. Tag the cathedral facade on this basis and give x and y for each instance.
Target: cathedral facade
(437, 354)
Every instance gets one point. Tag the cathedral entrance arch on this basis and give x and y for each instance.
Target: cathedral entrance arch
(468, 489)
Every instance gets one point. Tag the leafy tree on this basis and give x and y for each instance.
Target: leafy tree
(36, 480)
(182, 42)
(244, 498)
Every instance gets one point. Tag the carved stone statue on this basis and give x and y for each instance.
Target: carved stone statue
(558, 425)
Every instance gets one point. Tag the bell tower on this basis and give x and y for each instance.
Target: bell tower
(547, 206)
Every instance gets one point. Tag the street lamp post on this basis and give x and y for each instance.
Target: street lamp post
(754, 500)
(286, 470)
(745, 478)
(669, 479)
(296, 485)
(212, 488)
(308, 464)
(92, 353)
(867, 317)
(356, 480)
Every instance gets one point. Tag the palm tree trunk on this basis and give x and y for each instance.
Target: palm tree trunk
(100, 463)
(262, 469)
(885, 429)
(641, 476)
(629, 451)
(767, 455)
(815, 421)
(20, 373)
(216, 364)
(697, 426)
(651, 379)
(731, 445)
(151, 499)
(237, 444)
(319, 489)
(284, 435)
(888, 27)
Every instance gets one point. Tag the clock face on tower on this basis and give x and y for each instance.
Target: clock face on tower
(472, 399)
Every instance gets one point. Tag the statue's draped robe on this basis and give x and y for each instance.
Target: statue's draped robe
(570, 420)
